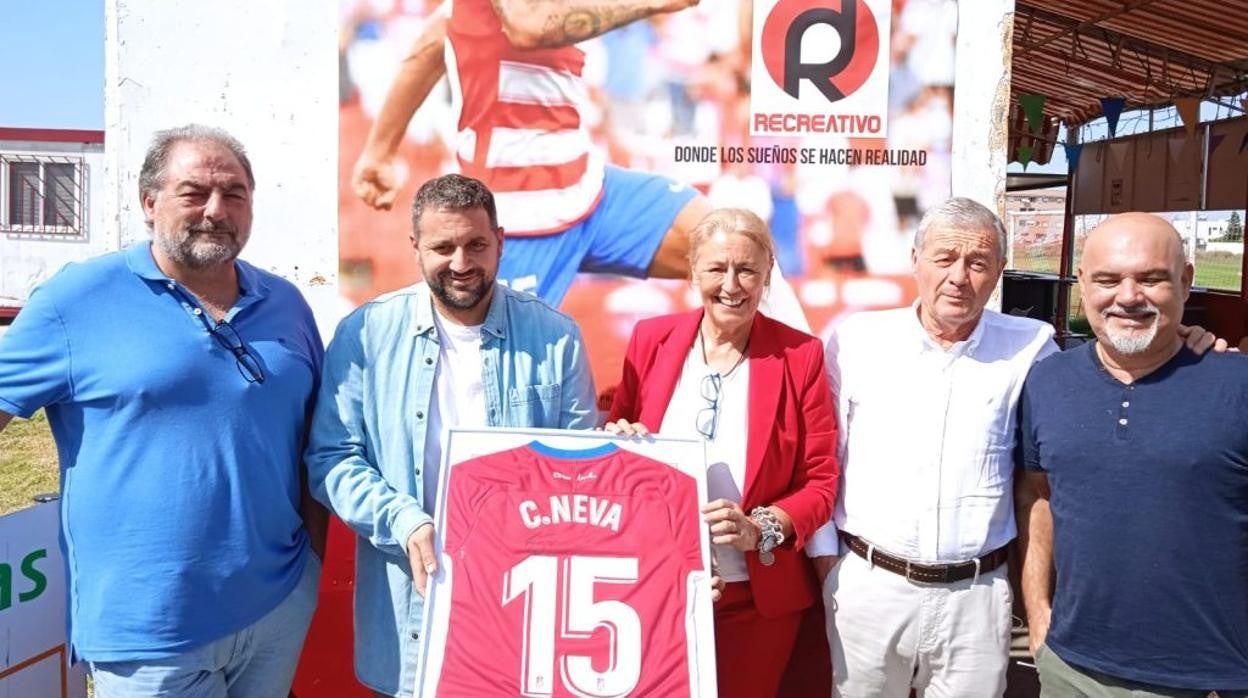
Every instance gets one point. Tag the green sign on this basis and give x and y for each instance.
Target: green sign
(30, 577)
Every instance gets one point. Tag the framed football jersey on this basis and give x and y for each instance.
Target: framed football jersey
(570, 564)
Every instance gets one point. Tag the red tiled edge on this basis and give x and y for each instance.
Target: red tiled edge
(51, 135)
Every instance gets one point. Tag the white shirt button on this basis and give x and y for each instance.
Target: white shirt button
(196, 311)
(1123, 422)
(1126, 403)
(171, 286)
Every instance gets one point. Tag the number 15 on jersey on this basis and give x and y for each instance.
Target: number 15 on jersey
(535, 581)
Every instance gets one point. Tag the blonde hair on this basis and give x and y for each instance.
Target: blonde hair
(731, 220)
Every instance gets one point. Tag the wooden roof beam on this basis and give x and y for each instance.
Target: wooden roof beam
(1110, 36)
(1073, 25)
(1140, 80)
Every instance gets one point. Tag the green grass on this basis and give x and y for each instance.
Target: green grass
(1037, 258)
(1219, 270)
(27, 462)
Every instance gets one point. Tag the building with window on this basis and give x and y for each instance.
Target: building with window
(48, 217)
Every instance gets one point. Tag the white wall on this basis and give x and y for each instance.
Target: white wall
(981, 104)
(28, 260)
(266, 72)
(1232, 247)
(981, 100)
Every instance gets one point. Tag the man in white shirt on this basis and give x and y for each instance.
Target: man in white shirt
(926, 398)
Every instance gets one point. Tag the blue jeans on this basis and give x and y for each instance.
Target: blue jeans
(256, 662)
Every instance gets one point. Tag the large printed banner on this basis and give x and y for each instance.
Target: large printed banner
(34, 652)
(571, 564)
(831, 119)
(688, 95)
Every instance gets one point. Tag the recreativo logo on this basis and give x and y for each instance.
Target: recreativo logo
(837, 78)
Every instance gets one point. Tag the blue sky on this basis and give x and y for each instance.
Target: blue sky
(53, 54)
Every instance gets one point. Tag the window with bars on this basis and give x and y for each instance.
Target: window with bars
(42, 195)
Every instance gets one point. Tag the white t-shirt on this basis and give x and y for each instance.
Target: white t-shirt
(459, 396)
(725, 454)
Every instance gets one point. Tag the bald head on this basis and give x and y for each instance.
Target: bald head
(1136, 230)
(1134, 279)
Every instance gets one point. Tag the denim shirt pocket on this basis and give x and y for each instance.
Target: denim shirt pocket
(535, 405)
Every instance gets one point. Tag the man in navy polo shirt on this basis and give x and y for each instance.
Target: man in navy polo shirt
(178, 382)
(1135, 489)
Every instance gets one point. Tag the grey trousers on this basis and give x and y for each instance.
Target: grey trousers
(1061, 680)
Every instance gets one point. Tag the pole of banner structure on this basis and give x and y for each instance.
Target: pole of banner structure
(985, 31)
(1065, 269)
(1243, 259)
(1243, 266)
(267, 73)
(1191, 237)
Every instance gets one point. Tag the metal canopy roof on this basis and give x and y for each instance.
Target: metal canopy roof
(1148, 51)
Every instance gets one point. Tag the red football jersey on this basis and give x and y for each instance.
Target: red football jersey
(570, 575)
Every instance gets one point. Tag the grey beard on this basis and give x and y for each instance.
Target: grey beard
(189, 250)
(1136, 342)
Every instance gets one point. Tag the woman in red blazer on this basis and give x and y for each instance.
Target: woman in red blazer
(755, 391)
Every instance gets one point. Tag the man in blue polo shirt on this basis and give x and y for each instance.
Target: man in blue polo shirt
(1136, 488)
(178, 382)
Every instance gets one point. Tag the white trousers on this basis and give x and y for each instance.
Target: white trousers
(889, 635)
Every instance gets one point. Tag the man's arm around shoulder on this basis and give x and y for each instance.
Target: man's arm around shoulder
(36, 367)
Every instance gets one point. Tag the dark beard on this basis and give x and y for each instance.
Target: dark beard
(459, 300)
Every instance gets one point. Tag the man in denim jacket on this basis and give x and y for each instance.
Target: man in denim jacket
(455, 350)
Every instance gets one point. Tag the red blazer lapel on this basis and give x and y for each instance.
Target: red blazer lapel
(766, 376)
(669, 359)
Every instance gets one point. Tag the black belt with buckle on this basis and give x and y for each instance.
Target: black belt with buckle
(927, 574)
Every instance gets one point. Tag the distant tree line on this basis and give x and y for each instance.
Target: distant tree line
(1234, 229)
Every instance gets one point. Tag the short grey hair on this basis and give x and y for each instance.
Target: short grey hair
(152, 176)
(961, 213)
(455, 192)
